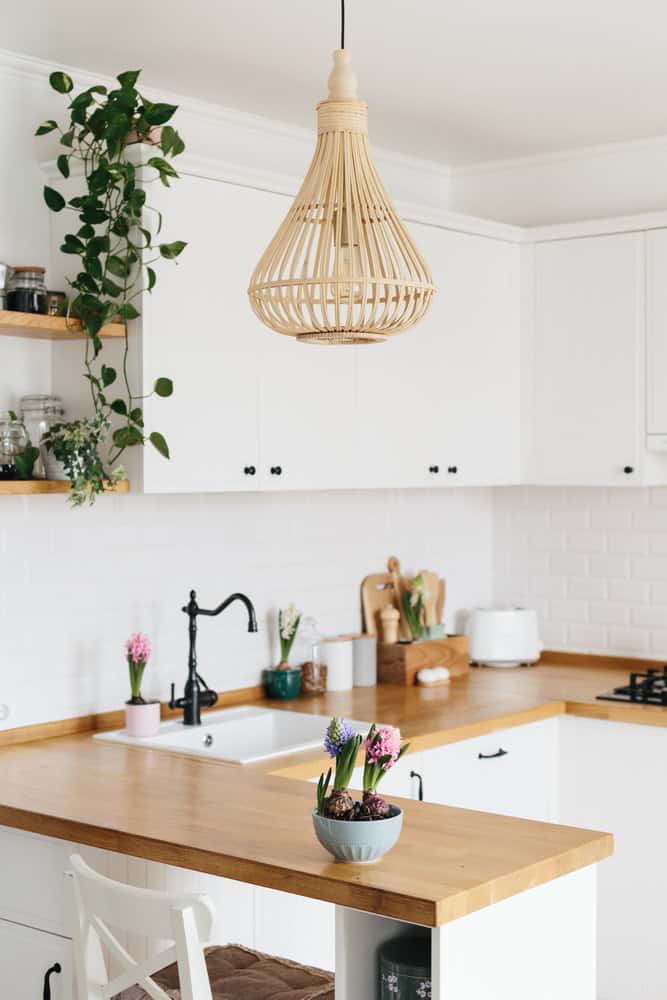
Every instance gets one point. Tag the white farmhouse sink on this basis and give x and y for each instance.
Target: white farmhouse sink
(239, 735)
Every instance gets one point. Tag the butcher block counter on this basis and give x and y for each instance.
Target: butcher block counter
(253, 823)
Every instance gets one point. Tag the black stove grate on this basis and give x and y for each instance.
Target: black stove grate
(648, 688)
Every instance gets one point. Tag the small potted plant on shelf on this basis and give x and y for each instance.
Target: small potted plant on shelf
(142, 718)
(285, 681)
(358, 831)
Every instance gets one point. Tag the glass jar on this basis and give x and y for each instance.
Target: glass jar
(13, 440)
(27, 291)
(306, 654)
(39, 414)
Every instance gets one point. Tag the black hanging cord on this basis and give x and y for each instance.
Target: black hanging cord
(342, 24)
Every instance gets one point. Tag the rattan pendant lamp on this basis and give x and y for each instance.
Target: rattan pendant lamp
(342, 268)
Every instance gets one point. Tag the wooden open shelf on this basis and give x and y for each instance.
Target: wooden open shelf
(38, 327)
(30, 487)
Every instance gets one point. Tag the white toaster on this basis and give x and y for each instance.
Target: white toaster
(503, 637)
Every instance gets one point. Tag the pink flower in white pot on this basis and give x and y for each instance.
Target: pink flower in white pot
(142, 718)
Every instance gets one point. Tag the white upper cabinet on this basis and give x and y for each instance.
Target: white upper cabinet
(587, 391)
(199, 330)
(656, 335)
(439, 404)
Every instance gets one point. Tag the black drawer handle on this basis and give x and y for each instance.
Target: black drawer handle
(420, 792)
(628, 469)
(490, 756)
(276, 470)
(435, 469)
(452, 469)
(47, 980)
(250, 470)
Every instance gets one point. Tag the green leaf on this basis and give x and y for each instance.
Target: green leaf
(152, 278)
(172, 250)
(137, 416)
(46, 127)
(67, 139)
(25, 462)
(86, 232)
(163, 387)
(158, 114)
(110, 287)
(119, 406)
(118, 266)
(61, 82)
(108, 376)
(72, 244)
(128, 79)
(159, 444)
(162, 166)
(126, 437)
(63, 164)
(93, 216)
(128, 311)
(54, 199)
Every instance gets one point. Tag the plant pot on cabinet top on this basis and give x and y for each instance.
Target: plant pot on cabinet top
(283, 683)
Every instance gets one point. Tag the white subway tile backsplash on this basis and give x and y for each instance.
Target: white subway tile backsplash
(606, 586)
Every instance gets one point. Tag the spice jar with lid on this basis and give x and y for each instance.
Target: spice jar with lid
(39, 414)
(27, 291)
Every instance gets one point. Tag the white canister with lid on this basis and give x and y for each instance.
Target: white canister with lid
(338, 654)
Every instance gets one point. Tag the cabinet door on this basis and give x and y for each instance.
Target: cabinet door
(513, 772)
(33, 891)
(439, 405)
(587, 360)
(199, 329)
(611, 779)
(26, 955)
(307, 427)
(656, 332)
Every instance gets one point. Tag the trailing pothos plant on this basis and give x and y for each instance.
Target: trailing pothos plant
(116, 237)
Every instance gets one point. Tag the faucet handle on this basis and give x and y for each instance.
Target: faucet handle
(172, 700)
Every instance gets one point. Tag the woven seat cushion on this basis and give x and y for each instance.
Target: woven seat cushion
(238, 973)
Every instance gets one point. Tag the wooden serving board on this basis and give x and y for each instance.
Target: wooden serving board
(377, 591)
(400, 664)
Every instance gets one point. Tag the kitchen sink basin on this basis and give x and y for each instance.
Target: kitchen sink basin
(240, 735)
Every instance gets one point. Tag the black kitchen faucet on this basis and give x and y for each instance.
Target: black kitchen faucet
(197, 694)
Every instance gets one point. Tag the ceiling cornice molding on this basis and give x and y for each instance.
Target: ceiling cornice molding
(562, 156)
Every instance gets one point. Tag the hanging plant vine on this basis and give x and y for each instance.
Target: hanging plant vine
(117, 242)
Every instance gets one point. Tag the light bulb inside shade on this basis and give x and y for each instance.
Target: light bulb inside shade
(348, 261)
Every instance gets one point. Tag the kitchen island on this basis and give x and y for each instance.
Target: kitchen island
(518, 891)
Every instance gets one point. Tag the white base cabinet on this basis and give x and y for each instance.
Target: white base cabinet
(26, 958)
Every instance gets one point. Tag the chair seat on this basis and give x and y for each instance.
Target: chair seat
(237, 973)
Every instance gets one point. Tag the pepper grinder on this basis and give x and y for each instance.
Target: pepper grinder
(390, 618)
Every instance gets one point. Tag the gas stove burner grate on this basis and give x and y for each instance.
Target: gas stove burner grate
(649, 688)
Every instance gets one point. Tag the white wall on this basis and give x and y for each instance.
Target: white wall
(592, 561)
(74, 584)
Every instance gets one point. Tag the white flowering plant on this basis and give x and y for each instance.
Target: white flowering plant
(413, 605)
(289, 619)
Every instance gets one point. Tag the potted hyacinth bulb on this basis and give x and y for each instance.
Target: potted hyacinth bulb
(357, 831)
(284, 681)
(142, 718)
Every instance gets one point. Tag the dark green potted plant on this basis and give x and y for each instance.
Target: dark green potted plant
(115, 235)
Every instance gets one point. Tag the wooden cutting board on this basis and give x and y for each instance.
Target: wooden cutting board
(400, 587)
(377, 591)
(432, 588)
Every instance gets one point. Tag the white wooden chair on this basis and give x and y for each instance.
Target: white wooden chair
(100, 904)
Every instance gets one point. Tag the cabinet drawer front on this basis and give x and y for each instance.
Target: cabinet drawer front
(516, 773)
(26, 956)
(33, 889)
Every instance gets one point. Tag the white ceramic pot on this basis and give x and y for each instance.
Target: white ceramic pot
(357, 842)
(142, 720)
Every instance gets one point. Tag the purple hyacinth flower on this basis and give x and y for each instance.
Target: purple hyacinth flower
(339, 733)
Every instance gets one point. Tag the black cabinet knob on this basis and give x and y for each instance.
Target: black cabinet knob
(452, 469)
(250, 470)
(46, 993)
(435, 469)
(276, 470)
(628, 470)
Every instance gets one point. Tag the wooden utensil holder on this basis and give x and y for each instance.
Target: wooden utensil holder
(400, 663)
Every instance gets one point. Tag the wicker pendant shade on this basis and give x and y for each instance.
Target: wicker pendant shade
(342, 268)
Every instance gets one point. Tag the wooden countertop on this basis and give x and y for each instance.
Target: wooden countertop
(254, 826)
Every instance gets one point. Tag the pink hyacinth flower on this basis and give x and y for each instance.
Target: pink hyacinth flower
(386, 744)
(138, 648)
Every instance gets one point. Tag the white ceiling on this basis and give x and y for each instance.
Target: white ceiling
(457, 83)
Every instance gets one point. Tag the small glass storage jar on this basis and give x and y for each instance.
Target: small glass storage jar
(39, 414)
(27, 291)
(13, 440)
